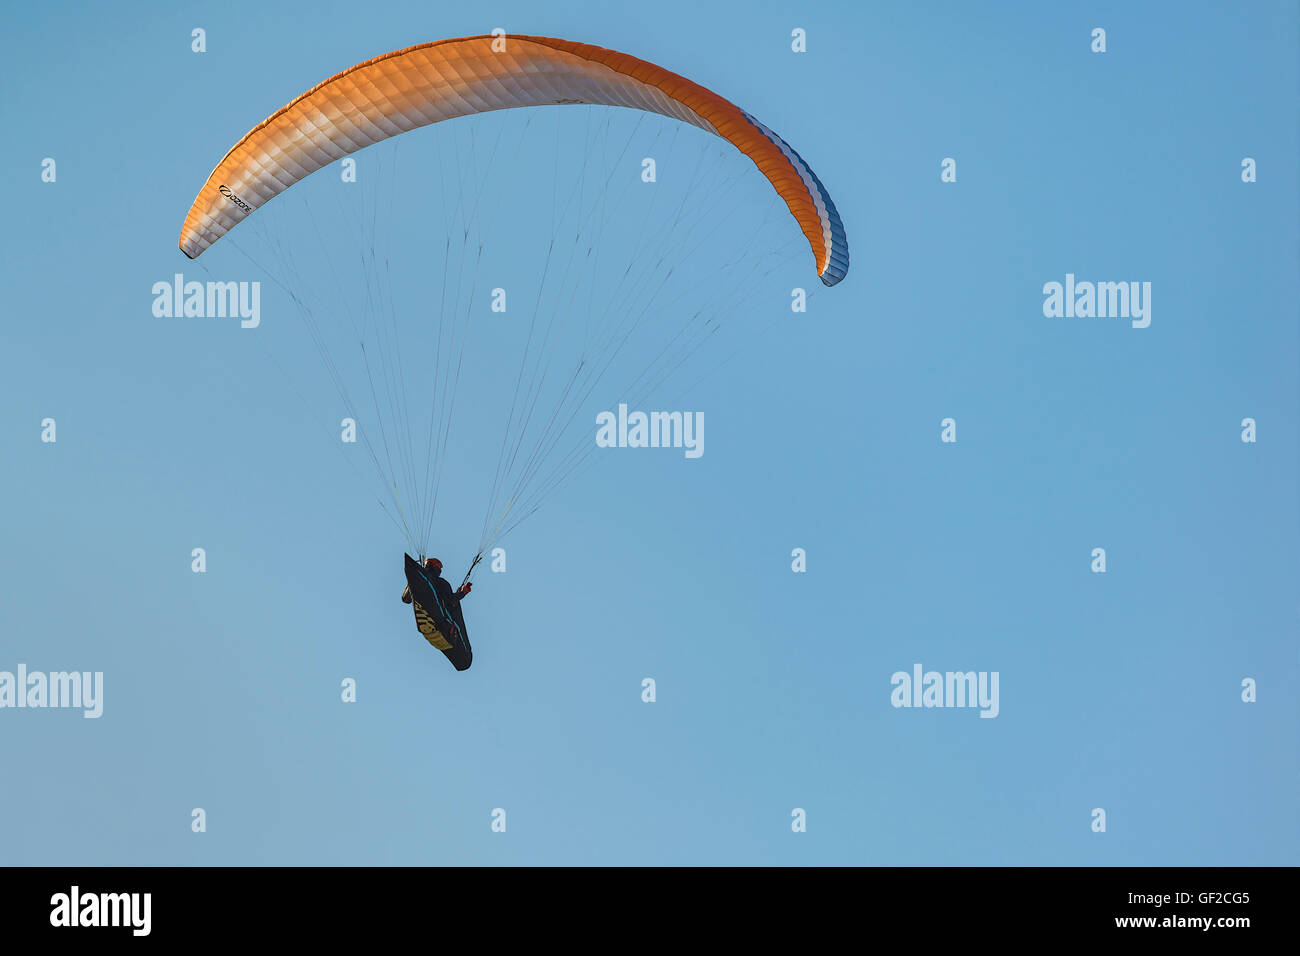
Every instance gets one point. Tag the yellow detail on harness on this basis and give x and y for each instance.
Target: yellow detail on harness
(430, 630)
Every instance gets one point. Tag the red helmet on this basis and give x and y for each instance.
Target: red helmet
(433, 563)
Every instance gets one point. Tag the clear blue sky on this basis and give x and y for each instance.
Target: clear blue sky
(1119, 691)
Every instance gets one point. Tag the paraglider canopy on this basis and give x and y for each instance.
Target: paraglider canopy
(432, 82)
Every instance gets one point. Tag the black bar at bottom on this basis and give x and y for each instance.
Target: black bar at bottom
(335, 905)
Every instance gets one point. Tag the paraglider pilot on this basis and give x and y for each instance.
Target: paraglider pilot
(450, 599)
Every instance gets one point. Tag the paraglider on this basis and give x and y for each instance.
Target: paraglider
(437, 610)
(430, 83)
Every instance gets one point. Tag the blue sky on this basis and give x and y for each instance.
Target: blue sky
(1119, 690)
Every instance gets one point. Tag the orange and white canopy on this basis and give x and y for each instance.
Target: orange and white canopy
(432, 82)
